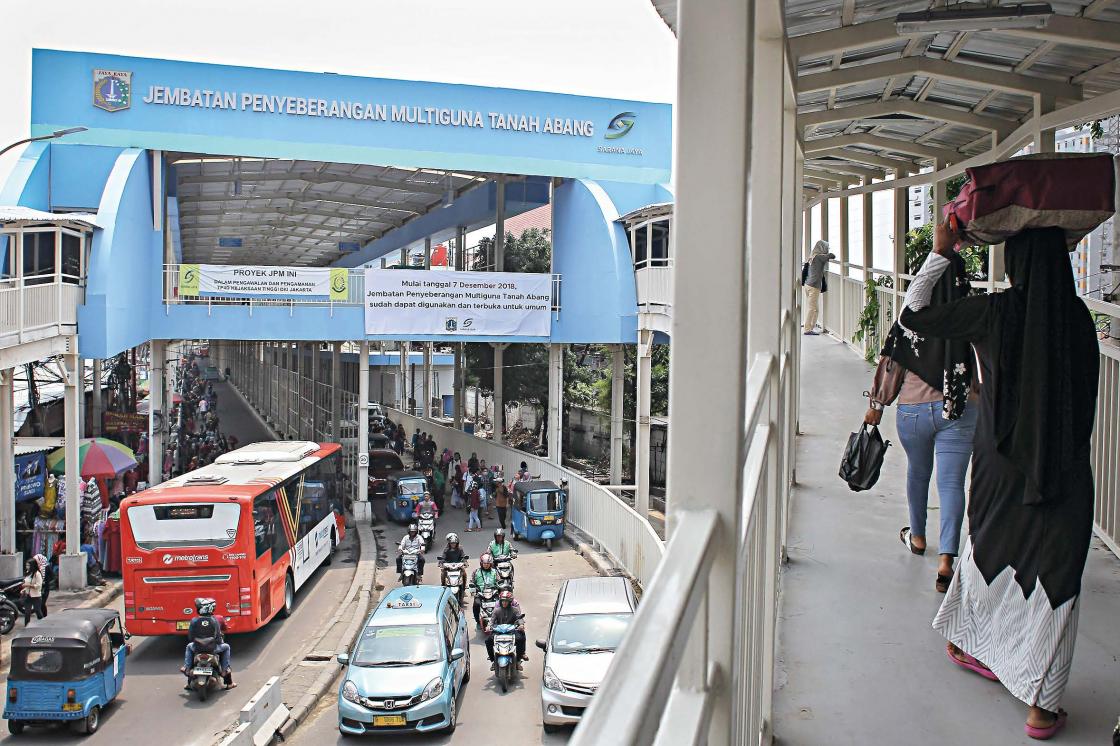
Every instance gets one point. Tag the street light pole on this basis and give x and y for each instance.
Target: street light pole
(54, 135)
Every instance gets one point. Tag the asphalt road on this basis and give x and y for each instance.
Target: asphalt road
(486, 716)
(153, 708)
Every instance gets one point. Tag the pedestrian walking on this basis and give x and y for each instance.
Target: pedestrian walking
(931, 379)
(501, 502)
(32, 592)
(473, 502)
(1011, 611)
(813, 279)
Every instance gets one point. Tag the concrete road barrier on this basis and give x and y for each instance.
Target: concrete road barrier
(261, 717)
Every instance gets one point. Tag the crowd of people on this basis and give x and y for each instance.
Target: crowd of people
(1007, 382)
(196, 437)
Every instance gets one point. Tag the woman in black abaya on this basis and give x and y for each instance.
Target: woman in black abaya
(1013, 601)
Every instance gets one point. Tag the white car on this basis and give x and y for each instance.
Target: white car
(591, 617)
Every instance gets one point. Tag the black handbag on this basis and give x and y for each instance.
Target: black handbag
(863, 458)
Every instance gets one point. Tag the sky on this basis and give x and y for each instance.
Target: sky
(610, 48)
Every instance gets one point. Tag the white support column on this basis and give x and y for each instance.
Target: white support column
(458, 390)
(618, 432)
(72, 565)
(555, 401)
(336, 391)
(98, 405)
(156, 388)
(427, 404)
(711, 174)
(643, 384)
(939, 194)
(499, 398)
(901, 228)
(845, 230)
(403, 376)
(362, 509)
(11, 561)
(314, 376)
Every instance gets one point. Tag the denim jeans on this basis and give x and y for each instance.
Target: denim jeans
(927, 436)
(222, 650)
(472, 521)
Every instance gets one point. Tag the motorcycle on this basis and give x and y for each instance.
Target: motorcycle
(427, 526)
(10, 604)
(505, 654)
(503, 563)
(410, 568)
(453, 577)
(205, 674)
(486, 607)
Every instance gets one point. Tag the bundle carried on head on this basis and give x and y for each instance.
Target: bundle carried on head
(1072, 191)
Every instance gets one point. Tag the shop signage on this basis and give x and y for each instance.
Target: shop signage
(240, 281)
(31, 476)
(117, 421)
(465, 304)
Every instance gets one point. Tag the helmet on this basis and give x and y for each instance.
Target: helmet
(500, 534)
(486, 559)
(205, 606)
(505, 596)
(427, 495)
(453, 538)
(412, 528)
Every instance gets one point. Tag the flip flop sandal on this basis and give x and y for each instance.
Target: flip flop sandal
(942, 582)
(971, 664)
(1045, 734)
(904, 536)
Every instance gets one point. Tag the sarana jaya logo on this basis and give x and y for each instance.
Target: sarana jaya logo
(338, 283)
(621, 125)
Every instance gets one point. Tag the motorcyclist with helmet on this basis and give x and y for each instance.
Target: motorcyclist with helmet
(453, 552)
(412, 543)
(484, 577)
(206, 625)
(426, 505)
(507, 612)
(499, 547)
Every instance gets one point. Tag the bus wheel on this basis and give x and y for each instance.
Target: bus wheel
(289, 597)
(334, 545)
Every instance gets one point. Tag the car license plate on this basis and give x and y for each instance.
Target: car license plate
(202, 672)
(182, 625)
(72, 707)
(548, 518)
(383, 720)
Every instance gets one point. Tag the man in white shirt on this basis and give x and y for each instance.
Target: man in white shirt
(414, 544)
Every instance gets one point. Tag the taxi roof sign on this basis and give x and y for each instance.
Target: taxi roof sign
(405, 601)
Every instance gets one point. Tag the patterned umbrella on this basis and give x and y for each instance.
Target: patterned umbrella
(98, 457)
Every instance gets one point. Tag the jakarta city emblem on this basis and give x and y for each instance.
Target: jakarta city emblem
(112, 90)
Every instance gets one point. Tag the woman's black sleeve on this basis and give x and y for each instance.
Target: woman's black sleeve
(967, 319)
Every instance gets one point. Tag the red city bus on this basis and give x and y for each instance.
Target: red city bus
(247, 530)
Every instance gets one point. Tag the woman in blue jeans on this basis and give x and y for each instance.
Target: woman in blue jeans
(931, 380)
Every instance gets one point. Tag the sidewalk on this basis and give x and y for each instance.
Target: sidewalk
(858, 660)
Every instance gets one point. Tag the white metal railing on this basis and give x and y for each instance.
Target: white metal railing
(355, 294)
(27, 309)
(663, 677)
(615, 526)
(654, 284)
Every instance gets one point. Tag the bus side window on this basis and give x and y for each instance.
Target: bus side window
(264, 521)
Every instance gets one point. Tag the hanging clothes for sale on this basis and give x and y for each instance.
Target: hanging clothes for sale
(91, 503)
(111, 555)
(47, 531)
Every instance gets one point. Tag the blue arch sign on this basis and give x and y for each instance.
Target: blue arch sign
(222, 109)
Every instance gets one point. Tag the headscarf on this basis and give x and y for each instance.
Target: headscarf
(820, 247)
(943, 364)
(1046, 394)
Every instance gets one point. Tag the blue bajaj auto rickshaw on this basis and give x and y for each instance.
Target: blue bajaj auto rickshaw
(406, 488)
(66, 667)
(538, 511)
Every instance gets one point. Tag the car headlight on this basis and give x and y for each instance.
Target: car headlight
(432, 690)
(551, 681)
(350, 692)
(534, 522)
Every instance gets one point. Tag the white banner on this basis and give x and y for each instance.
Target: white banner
(419, 302)
(241, 281)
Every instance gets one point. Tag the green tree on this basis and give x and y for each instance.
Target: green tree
(659, 384)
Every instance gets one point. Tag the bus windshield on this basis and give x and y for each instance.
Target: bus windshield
(177, 525)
